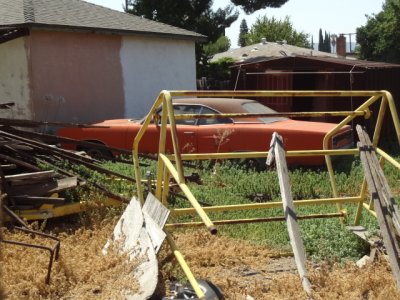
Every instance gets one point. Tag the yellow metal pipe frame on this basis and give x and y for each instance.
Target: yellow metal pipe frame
(316, 114)
(47, 211)
(264, 205)
(135, 146)
(196, 206)
(331, 133)
(165, 168)
(388, 158)
(368, 208)
(254, 220)
(185, 268)
(291, 153)
(238, 94)
(168, 116)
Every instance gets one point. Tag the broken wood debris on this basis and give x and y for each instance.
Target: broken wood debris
(277, 153)
(29, 187)
(384, 204)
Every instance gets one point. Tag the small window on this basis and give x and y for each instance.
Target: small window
(212, 121)
(258, 108)
(183, 109)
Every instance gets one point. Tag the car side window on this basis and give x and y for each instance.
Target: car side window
(212, 121)
(184, 109)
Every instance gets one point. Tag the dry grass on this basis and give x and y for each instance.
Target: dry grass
(1, 256)
(237, 267)
(241, 269)
(81, 272)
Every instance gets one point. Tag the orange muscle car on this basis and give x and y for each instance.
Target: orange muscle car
(219, 134)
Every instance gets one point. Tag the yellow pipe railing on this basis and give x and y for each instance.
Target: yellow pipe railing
(290, 153)
(170, 165)
(166, 168)
(185, 268)
(189, 195)
(264, 205)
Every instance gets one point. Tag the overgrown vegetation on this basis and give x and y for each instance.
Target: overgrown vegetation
(223, 183)
(227, 183)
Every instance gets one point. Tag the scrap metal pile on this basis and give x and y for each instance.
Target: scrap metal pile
(33, 179)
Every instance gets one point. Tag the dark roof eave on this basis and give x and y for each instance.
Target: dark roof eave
(356, 64)
(196, 38)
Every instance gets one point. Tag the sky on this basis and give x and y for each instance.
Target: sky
(332, 16)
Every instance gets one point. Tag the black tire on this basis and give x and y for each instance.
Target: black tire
(99, 154)
(210, 290)
(255, 164)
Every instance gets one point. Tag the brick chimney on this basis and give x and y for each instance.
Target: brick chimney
(341, 45)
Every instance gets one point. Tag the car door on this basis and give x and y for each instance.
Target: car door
(186, 131)
(214, 134)
(187, 128)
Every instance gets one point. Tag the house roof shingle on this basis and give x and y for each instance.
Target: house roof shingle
(268, 49)
(78, 14)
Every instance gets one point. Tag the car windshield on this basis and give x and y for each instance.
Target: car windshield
(258, 108)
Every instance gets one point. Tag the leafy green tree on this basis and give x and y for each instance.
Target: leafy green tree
(194, 15)
(277, 30)
(219, 71)
(221, 45)
(197, 16)
(244, 30)
(250, 6)
(379, 39)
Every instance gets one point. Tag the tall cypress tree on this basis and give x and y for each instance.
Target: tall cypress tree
(320, 41)
(244, 30)
(327, 43)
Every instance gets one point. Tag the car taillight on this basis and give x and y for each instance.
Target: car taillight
(343, 140)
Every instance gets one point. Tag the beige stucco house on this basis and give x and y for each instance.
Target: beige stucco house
(72, 61)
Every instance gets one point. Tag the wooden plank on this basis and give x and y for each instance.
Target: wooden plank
(24, 199)
(44, 189)
(156, 210)
(8, 167)
(20, 162)
(380, 179)
(30, 176)
(363, 233)
(88, 162)
(289, 209)
(155, 215)
(371, 165)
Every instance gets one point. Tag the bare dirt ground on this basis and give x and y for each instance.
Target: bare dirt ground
(238, 268)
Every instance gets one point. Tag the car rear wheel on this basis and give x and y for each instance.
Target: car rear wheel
(255, 164)
(98, 154)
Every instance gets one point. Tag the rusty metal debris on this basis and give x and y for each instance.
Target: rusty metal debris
(27, 189)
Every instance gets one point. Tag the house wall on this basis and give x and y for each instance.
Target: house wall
(14, 79)
(153, 64)
(76, 77)
(85, 77)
